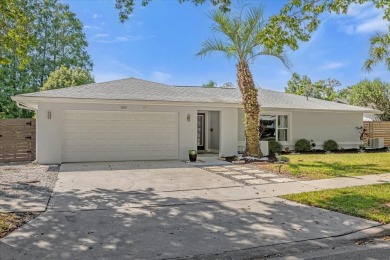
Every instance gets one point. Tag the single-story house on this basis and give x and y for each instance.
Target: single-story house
(134, 119)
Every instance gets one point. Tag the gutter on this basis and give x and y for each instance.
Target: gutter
(21, 99)
(24, 106)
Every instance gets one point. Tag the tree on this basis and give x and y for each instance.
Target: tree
(243, 41)
(300, 18)
(375, 94)
(65, 77)
(126, 7)
(322, 89)
(60, 41)
(379, 50)
(210, 84)
(15, 30)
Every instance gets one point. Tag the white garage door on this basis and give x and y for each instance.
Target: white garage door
(119, 136)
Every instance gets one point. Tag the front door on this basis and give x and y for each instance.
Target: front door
(201, 131)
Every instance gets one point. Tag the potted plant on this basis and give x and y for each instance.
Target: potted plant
(192, 154)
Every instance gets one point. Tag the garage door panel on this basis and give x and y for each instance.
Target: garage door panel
(118, 136)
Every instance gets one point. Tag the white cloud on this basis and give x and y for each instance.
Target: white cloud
(108, 76)
(95, 16)
(363, 18)
(103, 38)
(101, 35)
(120, 70)
(332, 65)
(92, 27)
(160, 76)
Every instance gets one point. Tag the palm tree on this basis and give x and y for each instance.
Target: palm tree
(379, 50)
(243, 41)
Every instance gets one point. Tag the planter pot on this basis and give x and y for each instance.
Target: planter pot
(192, 157)
(192, 154)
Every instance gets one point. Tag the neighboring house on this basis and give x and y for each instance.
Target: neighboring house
(133, 119)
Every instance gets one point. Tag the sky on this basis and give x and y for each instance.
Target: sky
(160, 41)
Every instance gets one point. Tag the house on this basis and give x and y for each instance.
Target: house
(134, 119)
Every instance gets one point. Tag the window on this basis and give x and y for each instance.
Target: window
(282, 127)
(274, 127)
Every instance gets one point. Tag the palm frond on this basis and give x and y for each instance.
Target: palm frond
(244, 36)
(281, 56)
(216, 45)
(379, 50)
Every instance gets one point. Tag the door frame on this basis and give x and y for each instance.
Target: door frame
(203, 146)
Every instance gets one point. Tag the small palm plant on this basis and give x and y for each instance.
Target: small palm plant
(379, 50)
(244, 38)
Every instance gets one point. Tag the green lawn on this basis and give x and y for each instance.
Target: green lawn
(370, 202)
(321, 166)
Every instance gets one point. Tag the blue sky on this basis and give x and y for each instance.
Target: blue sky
(159, 43)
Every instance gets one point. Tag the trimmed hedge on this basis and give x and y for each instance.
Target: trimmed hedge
(274, 147)
(331, 145)
(302, 145)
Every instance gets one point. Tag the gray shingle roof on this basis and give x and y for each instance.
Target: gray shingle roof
(141, 90)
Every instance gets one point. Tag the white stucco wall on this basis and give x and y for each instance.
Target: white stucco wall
(322, 126)
(49, 131)
(241, 127)
(316, 126)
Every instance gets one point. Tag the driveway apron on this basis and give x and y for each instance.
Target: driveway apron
(155, 210)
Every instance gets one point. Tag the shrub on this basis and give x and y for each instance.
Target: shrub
(330, 145)
(302, 145)
(274, 147)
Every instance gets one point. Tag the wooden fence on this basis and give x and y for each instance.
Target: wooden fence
(17, 140)
(378, 129)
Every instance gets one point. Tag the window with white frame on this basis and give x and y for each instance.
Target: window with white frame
(274, 127)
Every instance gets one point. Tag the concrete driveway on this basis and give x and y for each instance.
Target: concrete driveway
(154, 210)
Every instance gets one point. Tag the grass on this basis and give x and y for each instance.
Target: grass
(321, 166)
(369, 202)
(11, 221)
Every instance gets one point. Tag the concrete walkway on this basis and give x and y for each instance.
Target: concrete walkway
(170, 209)
(31, 204)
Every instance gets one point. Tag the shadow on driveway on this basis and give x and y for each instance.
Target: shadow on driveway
(182, 227)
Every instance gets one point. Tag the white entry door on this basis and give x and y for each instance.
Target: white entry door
(119, 136)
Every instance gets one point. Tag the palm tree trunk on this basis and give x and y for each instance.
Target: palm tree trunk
(251, 108)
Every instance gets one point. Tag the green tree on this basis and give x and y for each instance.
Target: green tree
(299, 18)
(65, 77)
(375, 94)
(126, 7)
(322, 89)
(243, 41)
(379, 50)
(60, 41)
(16, 22)
(210, 84)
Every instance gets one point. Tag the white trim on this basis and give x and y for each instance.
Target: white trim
(174, 103)
(289, 122)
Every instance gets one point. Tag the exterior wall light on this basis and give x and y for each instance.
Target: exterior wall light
(48, 114)
(188, 117)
